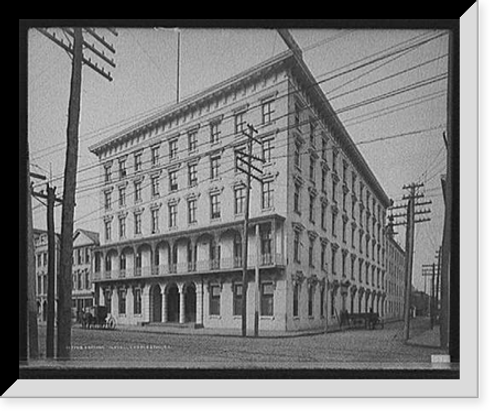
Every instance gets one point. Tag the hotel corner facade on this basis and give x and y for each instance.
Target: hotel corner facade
(173, 210)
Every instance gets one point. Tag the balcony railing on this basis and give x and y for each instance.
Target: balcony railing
(203, 266)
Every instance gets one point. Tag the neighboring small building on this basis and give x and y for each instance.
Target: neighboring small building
(396, 262)
(84, 242)
(41, 269)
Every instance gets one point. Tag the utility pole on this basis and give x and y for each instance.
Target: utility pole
(257, 281)
(410, 222)
(50, 196)
(65, 263)
(75, 49)
(438, 284)
(449, 139)
(32, 313)
(248, 170)
(429, 270)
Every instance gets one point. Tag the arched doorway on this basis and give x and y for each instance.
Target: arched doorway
(156, 307)
(190, 303)
(173, 304)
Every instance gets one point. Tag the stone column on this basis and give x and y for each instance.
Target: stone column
(164, 303)
(199, 304)
(146, 304)
(182, 314)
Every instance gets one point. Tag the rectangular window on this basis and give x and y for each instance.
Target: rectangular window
(296, 292)
(239, 122)
(344, 261)
(322, 256)
(137, 224)
(155, 156)
(137, 162)
(265, 247)
(192, 206)
(215, 206)
(267, 299)
(267, 195)
(297, 117)
(323, 216)
(155, 186)
(297, 155)
(334, 257)
(267, 149)
(323, 180)
(107, 230)
(310, 301)
(312, 161)
(267, 111)
(173, 149)
(121, 196)
(296, 199)
(137, 192)
(172, 215)
(215, 132)
(296, 247)
(122, 294)
(214, 167)
(121, 227)
(237, 299)
(193, 174)
(172, 178)
(192, 141)
(122, 169)
(214, 304)
(137, 301)
(107, 173)
(312, 134)
(154, 221)
(107, 200)
(239, 200)
(311, 253)
(311, 208)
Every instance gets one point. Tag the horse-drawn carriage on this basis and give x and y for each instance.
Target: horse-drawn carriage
(98, 317)
(368, 320)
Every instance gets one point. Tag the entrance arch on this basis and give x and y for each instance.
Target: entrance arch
(190, 303)
(156, 304)
(173, 301)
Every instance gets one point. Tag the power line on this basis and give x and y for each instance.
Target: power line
(408, 48)
(354, 106)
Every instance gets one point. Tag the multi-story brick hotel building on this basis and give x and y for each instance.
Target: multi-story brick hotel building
(173, 209)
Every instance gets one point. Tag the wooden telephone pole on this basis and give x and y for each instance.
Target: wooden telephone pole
(64, 285)
(51, 199)
(410, 222)
(248, 170)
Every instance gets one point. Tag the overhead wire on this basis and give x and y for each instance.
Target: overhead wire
(354, 106)
(380, 139)
(155, 113)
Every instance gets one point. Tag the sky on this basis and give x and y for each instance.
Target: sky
(144, 80)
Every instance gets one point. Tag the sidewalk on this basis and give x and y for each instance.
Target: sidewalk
(428, 338)
(219, 332)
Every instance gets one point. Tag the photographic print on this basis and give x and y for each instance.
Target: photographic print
(262, 200)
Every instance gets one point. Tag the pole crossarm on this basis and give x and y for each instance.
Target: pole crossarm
(92, 48)
(101, 39)
(69, 48)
